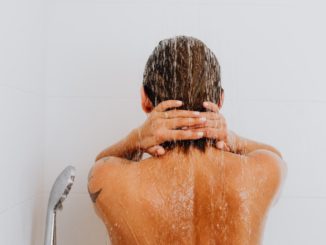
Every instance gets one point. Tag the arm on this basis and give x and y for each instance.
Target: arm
(160, 126)
(245, 146)
(216, 128)
(275, 170)
(128, 148)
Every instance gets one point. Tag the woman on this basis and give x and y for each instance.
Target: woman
(203, 184)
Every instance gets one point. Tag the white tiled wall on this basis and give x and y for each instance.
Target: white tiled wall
(272, 57)
(271, 53)
(21, 121)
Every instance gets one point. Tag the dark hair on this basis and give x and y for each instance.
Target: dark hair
(183, 68)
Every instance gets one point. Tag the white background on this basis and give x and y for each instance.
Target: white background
(70, 73)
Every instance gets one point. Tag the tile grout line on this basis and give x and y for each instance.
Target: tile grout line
(17, 204)
(22, 90)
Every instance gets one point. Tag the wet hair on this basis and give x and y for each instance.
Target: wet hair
(183, 68)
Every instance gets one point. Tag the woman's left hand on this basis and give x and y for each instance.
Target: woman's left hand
(215, 127)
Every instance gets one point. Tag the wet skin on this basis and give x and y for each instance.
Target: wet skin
(214, 197)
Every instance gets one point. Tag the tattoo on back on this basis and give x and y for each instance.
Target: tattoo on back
(94, 195)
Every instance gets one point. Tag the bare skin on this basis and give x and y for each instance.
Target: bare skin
(221, 196)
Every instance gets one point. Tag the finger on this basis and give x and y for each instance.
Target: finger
(226, 147)
(167, 104)
(211, 115)
(211, 106)
(156, 150)
(208, 124)
(220, 145)
(184, 122)
(213, 133)
(152, 150)
(160, 151)
(194, 127)
(180, 113)
(184, 134)
(214, 124)
(223, 146)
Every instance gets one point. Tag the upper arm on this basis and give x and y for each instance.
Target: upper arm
(272, 169)
(271, 160)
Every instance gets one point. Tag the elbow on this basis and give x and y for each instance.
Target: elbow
(282, 163)
(99, 157)
(277, 152)
(284, 170)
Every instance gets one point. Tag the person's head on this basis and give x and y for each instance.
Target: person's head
(182, 68)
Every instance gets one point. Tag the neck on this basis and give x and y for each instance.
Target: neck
(178, 152)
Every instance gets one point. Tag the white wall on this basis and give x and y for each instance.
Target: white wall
(272, 56)
(21, 121)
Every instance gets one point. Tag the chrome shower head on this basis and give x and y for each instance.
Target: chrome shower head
(59, 192)
(61, 188)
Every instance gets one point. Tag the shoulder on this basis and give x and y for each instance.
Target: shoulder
(105, 170)
(104, 164)
(268, 160)
(270, 170)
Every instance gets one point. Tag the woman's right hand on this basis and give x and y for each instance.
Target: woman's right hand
(162, 125)
(216, 128)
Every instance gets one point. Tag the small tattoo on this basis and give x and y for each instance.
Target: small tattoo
(94, 195)
(106, 158)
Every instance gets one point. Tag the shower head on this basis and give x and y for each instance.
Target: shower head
(58, 194)
(61, 188)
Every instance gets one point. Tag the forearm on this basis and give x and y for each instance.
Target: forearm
(242, 145)
(128, 148)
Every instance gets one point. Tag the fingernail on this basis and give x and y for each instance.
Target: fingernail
(196, 113)
(179, 102)
(203, 119)
(160, 151)
(205, 103)
(200, 134)
(220, 145)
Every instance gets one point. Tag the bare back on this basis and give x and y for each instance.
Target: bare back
(196, 198)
